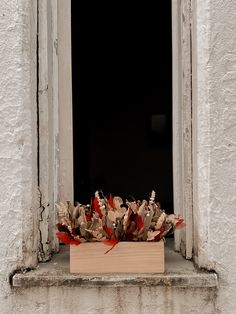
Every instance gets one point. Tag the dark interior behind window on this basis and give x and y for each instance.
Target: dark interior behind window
(122, 99)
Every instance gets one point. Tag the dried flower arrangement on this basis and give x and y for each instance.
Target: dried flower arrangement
(111, 220)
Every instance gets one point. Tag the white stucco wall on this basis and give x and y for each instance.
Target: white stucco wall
(18, 141)
(214, 160)
(214, 116)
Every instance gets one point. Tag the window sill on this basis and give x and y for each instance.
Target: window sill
(179, 273)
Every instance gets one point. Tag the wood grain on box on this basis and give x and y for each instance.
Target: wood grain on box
(125, 257)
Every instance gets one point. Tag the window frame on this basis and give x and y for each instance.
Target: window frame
(54, 96)
(55, 119)
(182, 122)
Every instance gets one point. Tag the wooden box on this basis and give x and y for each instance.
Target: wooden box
(125, 257)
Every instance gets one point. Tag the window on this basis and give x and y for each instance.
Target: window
(55, 110)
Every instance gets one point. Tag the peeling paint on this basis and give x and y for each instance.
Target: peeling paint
(43, 255)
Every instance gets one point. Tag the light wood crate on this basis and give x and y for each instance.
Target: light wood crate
(125, 257)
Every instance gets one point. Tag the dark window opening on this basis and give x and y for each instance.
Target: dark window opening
(122, 99)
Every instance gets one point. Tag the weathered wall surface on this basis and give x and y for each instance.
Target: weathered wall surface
(18, 140)
(214, 79)
(214, 129)
(132, 300)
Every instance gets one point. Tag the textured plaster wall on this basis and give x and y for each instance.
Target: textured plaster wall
(214, 116)
(214, 157)
(131, 300)
(18, 141)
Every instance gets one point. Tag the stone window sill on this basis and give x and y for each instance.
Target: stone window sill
(179, 273)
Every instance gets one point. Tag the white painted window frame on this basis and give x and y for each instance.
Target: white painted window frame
(182, 122)
(55, 118)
